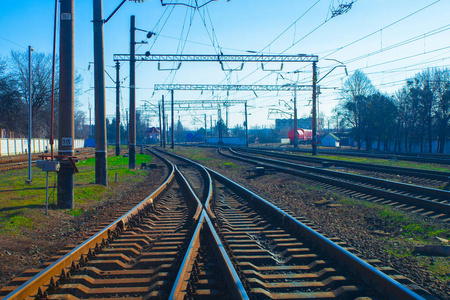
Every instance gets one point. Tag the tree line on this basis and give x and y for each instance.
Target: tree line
(14, 91)
(418, 114)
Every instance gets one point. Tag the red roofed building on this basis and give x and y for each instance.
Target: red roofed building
(152, 135)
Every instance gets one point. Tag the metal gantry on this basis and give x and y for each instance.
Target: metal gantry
(218, 58)
(263, 59)
(195, 106)
(232, 87)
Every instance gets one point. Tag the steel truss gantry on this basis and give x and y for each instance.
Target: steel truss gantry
(219, 58)
(203, 102)
(232, 87)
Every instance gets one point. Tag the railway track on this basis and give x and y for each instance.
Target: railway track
(436, 177)
(427, 201)
(421, 158)
(227, 243)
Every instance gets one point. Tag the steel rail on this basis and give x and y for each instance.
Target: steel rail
(421, 158)
(66, 262)
(205, 175)
(385, 285)
(429, 174)
(410, 200)
(237, 289)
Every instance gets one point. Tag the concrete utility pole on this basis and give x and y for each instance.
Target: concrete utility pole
(160, 128)
(173, 123)
(30, 114)
(219, 124)
(226, 122)
(132, 132)
(164, 122)
(246, 126)
(206, 132)
(314, 116)
(101, 169)
(90, 120)
(117, 108)
(295, 118)
(66, 105)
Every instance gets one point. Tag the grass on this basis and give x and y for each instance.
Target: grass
(196, 154)
(229, 165)
(22, 204)
(407, 230)
(388, 162)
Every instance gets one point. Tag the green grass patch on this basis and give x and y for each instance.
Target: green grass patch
(23, 203)
(13, 222)
(229, 165)
(402, 223)
(388, 162)
(75, 212)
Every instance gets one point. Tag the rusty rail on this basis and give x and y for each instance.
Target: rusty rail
(71, 259)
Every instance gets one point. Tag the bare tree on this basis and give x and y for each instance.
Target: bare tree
(440, 86)
(419, 89)
(41, 83)
(12, 108)
(41, 76)
(354, 92)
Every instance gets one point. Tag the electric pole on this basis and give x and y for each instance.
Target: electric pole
(90, 120)
(30, 114)
(164, 123)
(173, 125)
(117, 108)
(219, 124)
(101, 169)
(132, 132)
(206, 132)
(66, 105)
(246, 126)
(160, 128)
(226, 118)
(295, 118)
(314, 117)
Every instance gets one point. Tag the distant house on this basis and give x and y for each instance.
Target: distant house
(152, 134)
(330, 140)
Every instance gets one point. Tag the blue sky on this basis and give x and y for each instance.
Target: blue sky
(363, 38)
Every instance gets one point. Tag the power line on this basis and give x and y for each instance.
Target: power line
(289, 27)
(13, 42)
(383, 28)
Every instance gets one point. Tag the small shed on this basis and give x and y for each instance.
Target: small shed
(330, 140)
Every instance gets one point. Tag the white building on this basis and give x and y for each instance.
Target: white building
(330, 140)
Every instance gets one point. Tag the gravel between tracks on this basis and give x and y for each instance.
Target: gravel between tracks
(31, 248)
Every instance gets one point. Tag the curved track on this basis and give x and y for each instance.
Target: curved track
(421, 158)
(427, 201)
(227, 243)
(439, 177)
